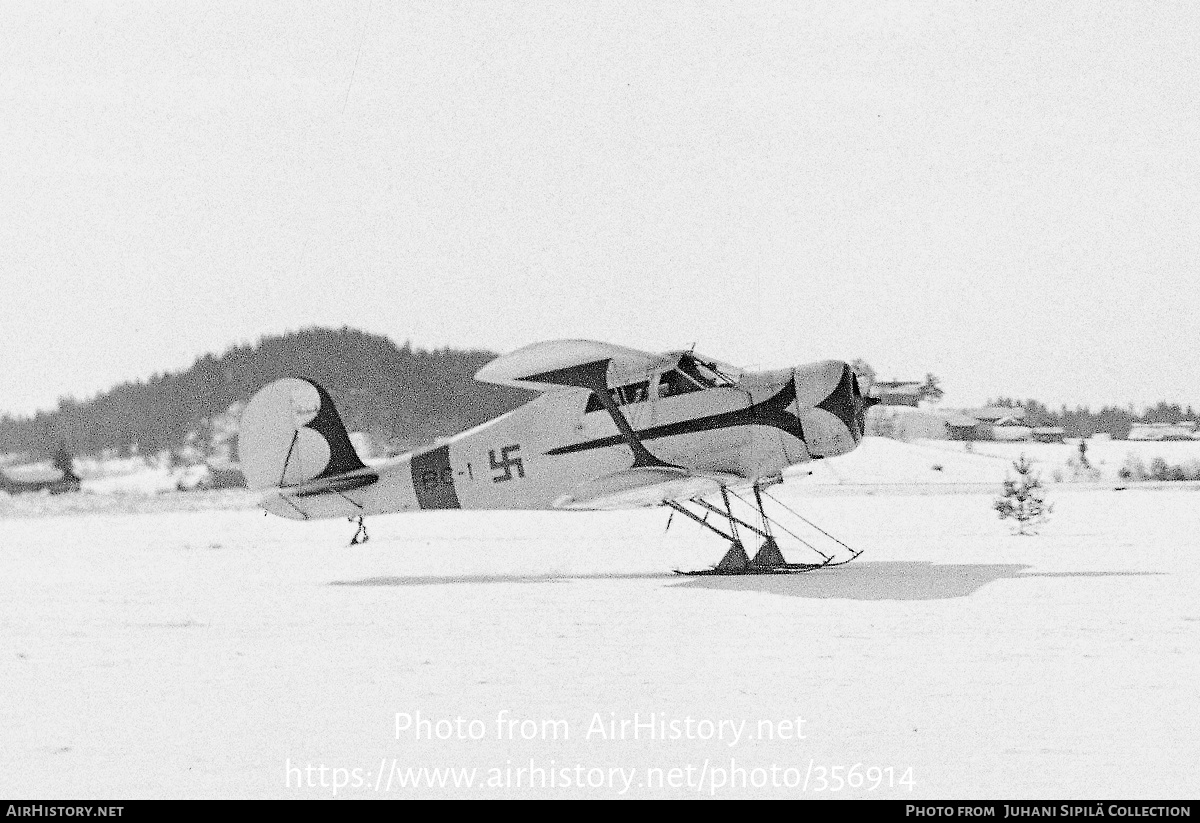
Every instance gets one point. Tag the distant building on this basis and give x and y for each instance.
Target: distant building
(1183, 430)
(964, 427)
(998, 415)
(1005, 423)
(1048, 434)
(999, 423)
(991, 423)
(38, 477)
(1011, 431)
(897, 392)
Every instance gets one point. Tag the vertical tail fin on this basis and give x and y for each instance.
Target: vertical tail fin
(290, 433)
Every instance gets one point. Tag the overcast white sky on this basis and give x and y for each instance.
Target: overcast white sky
(1004, 194)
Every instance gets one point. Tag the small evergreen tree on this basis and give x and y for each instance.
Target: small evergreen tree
(64, 463)
(931, 389)
(1022, 498)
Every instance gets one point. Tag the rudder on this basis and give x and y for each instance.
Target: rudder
(290, 433)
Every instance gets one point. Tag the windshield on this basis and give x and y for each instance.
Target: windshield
(706, 373)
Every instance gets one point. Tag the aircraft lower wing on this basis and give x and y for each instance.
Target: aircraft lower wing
(644, 486)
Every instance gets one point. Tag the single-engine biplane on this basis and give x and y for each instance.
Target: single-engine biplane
(612, 428)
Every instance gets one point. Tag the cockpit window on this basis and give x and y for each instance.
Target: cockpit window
(674, 382)
(622, 395)
(635, 393)
(692, 374)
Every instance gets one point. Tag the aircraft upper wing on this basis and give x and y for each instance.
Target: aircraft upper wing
(542, 366)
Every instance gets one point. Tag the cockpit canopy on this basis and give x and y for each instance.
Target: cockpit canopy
(691, 373)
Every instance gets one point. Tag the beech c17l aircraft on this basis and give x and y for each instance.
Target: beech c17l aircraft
(613, 428)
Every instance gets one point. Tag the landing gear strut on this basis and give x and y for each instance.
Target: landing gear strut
(361, 535)
(768, 559)
(768, 554)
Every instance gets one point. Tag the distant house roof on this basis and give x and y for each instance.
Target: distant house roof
(961, 421)
(898, 386)
(897, 392)
(1161, 431)
(992, 414)
(33, 473)
(1010, 420)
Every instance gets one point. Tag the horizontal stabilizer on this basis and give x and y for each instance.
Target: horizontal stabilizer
(319, 498)
(335, 485)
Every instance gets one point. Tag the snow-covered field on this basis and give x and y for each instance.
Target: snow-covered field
(218, 653)
(879, 460)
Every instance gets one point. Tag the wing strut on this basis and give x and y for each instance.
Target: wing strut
(679, 508)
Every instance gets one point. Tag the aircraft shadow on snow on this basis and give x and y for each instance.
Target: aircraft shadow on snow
(861, 580)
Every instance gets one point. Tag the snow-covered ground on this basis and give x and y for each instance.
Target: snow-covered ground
(218, 653)
(879, 460)
(44, 504)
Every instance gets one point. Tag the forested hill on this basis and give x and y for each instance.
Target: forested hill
(401, 396)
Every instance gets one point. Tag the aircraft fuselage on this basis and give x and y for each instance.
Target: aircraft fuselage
(749, 428)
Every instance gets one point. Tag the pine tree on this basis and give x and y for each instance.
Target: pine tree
(1022, 498)
(931, 389)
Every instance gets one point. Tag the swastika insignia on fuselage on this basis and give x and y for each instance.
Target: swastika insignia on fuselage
(506, 463)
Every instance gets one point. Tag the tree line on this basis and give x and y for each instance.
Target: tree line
(399, 395)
